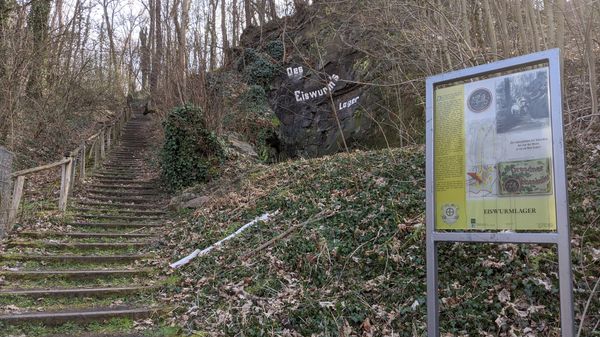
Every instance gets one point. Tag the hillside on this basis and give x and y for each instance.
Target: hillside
(146, 130)
(353, 260)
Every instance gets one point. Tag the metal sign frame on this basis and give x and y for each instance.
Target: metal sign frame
(561, 237)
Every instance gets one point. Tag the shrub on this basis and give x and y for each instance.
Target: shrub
(258, 122)
(257, 68)
(191, 153)
(260, 72)
(254, 100)
(275, 50)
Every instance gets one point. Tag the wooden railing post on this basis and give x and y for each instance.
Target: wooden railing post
(102, 145)
(65, 185)
(97, 153)
(74, 161)
(16, 202)
(83, 162)
(6, 158)
(109, 137)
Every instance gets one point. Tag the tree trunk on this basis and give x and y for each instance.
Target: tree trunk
(157, 58)
(549, 11)
(111, 43)
(213, 34)
(466, 24)
(144, 58)
(502, 15)
(226, 49)
(184, 54)
(530, 16)
(491, 31)
(560, 24)
(235, 22)
(38, 25)
(272, 9)
(587, 19)
(249, 12)
(523, 43)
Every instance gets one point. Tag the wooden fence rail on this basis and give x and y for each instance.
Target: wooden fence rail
(73, 166)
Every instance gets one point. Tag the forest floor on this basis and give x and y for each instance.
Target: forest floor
(345, 255)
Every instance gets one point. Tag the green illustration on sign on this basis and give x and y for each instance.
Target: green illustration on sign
(525, 177)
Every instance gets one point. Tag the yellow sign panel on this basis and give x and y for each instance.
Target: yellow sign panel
(493, 154)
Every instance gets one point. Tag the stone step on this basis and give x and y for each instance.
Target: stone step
(126, 199)
(74, 258)
(123, 184)
(117, 167)
(115, 224)
(120, 168)
(117, 205)
(117, 217)
(73, 274)
(115, 176)
(131, 150)
(123, 173)
(119, 180)
(119, 212)
(127, 155)
(117, 192)
(85, 235)
(123, 163)
(123, 159)
(77, 245)
(76, 292)
(141, 186)
(79, 316)
(117, 186)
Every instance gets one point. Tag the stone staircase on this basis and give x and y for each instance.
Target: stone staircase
(92, 274)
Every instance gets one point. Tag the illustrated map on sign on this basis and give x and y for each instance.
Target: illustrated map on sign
(500, 130)
(507, 125)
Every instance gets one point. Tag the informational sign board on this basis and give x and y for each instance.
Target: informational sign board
(495, 164)
(493, 154)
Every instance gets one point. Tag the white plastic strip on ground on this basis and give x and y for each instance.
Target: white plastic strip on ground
(198, 252)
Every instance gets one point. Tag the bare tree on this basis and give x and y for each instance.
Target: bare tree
(226, 48)
(249, 10)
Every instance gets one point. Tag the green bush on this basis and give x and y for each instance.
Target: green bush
(275, 50)
(191, 153)
(254, 100)
(257, 68)
(260, 72)
(259, 123)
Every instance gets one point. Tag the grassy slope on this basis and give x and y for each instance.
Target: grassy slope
(362, 268)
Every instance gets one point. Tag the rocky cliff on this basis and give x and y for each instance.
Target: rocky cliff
(312, 68)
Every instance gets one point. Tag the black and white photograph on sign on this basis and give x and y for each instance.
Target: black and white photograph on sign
(522, 102)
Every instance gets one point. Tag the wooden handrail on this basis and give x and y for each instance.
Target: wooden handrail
(40, 168)
(101, 141)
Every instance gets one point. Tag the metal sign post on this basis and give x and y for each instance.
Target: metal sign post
(496, 165)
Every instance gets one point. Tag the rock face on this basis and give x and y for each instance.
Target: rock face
(241, 147)
(316, 96)
(319, 106)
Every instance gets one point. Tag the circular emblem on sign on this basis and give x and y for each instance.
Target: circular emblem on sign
(512, 186)
(480, 100)
(449, 213)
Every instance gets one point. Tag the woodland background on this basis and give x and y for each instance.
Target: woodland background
(66, 64)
